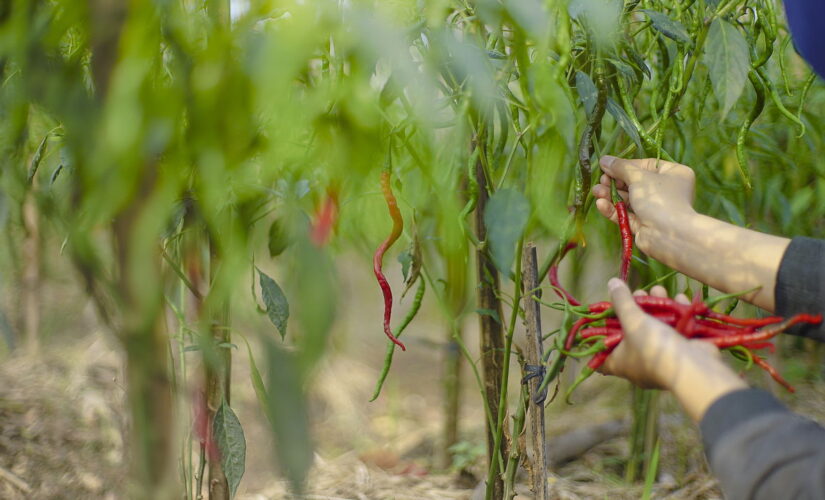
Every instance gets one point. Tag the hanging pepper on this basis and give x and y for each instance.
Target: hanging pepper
(624, 229)
(378, 257)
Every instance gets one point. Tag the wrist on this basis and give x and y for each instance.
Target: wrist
(663, 232)
(700, 380)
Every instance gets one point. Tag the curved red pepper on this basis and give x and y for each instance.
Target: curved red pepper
(624, 230)
(378, 257)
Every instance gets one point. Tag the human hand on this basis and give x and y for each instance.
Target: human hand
(655, 356)
(660, 195)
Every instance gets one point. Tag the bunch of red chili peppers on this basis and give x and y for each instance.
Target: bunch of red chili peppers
(598, 331)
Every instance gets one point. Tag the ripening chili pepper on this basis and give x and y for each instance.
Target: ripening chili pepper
(378, 257)
(624, 229)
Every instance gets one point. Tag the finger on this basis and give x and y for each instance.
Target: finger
(629, 314)
(606, 179)
(640, 293)
(658, 291)
(607, 209)
(682, 299)
(627, 171)
(602, 191)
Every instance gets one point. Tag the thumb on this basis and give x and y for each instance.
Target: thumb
(629, 313)
(628, 171)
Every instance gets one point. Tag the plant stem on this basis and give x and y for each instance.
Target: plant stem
(492, 336)
(505, 374)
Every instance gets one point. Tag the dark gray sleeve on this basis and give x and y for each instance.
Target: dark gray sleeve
(800, 284)
(758, 449)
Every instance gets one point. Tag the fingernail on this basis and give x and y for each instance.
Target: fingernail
(607, 160)
(614, 283)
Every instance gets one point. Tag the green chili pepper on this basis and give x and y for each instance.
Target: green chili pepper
(584, 173)
(758, 106)
(778, 102)
(805, 89)
(782, 69)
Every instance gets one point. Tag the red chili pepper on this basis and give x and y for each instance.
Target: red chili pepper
(624, 229)
(325, 219)
(571, 335)
(596, 331)
(756, 346)
(599, 307)
(756, 322)
(553, 275)
(693, 320)
(718, 331)
(772, 372)
(378, 257)
(767, 333)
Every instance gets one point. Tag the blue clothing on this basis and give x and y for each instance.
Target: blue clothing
(806, 19)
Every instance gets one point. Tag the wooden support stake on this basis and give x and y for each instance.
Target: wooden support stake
(536, 451)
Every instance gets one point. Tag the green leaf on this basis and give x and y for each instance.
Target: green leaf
(602, 18)
(258, 384)
(37, 158)
(728, 61)
(314, 287)
(667, 26)
(405, 258)
(637, 61)
(228, 435)
(588, 93)
(489, 312)
(277, 307)
(505, 217)
(278, 239)
(289, 417)
(623, 120)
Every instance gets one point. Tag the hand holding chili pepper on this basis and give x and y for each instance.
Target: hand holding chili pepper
(661, 216)
(657, 191)
(654, 355)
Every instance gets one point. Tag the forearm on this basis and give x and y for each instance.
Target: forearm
(727, 257)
